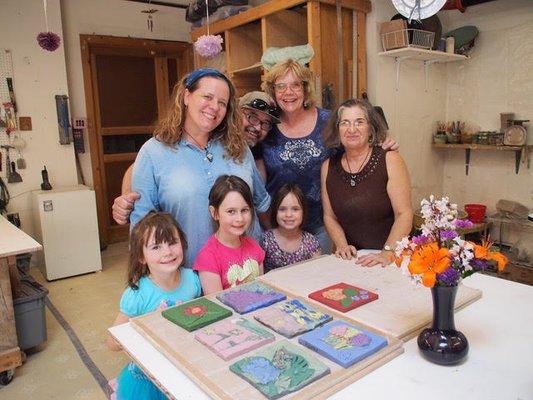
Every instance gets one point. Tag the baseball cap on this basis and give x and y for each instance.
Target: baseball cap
(262, 102)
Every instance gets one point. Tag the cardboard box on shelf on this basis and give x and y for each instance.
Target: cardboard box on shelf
(394, 34)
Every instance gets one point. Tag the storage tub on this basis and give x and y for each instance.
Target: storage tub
(30, 317)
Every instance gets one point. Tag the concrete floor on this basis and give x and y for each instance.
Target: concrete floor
(89, 304)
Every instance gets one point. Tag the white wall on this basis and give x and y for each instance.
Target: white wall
(411, 111)
(115, 18)
(497, 78)
(39, 75)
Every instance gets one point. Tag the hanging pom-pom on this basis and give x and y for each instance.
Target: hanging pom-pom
(48, 40)
(208, 46)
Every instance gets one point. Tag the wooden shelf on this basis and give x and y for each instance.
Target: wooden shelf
(117, 157)
(475, 146)
(127, 130)
(521, 152)
(254, 69)
(413, 53)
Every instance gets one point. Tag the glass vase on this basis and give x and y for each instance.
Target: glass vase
(442, 343)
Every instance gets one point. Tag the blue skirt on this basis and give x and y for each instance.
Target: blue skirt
(134, 384)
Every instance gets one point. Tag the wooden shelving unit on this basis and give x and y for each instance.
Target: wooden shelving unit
(428, 57)
(521, 152)
(283, 23)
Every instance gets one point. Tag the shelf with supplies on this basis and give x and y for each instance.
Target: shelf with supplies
(521, 152)
(428, 57)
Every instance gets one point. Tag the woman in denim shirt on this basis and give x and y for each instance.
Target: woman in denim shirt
(199, 139)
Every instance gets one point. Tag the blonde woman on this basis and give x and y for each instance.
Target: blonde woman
(199, 139)
(294, 150)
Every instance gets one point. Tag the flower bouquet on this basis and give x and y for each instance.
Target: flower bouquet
(439, 258)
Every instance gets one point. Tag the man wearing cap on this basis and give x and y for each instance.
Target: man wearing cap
(259, 112)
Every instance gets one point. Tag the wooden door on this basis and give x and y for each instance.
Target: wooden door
(127, 85)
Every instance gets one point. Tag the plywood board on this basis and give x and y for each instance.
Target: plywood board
(402, 309)
(212, 373)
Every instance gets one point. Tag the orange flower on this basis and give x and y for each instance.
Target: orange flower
(428, 261)
(500, 259)
(483, 252)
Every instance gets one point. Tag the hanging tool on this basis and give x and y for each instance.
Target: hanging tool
(11, 93)
(14, 176)
(18, 143)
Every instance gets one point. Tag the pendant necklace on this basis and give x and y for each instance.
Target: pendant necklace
(208, 154)
(352, 174)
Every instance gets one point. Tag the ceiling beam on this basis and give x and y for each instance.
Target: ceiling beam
(161, 3)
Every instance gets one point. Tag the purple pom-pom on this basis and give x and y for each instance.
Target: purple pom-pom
(48, 40)
(208, 46)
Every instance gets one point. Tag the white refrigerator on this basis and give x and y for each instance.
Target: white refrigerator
(67, 226)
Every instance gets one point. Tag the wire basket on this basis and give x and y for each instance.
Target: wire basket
(407, 38)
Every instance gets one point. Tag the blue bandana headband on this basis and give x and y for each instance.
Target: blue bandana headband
(200, 73)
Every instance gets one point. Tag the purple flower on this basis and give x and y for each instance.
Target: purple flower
(448, 235)
(420, 239)
(208, 46)
(463, 223)
(480, 265)
(450, 277)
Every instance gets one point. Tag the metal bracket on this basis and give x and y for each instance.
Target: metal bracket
(427, 63)
(398, 62)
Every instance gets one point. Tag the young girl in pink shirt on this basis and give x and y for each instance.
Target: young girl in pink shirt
(229, 257)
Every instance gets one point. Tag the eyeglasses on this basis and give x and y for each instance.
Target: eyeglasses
(265, 125)
(294, 86)
(359, 123)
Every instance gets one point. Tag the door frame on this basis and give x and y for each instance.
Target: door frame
(159, 50)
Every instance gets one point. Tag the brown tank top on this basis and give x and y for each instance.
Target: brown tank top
(360, 201)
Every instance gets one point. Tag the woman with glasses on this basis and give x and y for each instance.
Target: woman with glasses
(294, 150)
(366, 191)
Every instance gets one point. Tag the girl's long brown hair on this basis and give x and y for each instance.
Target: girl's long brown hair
(165, 228)
(169, 129)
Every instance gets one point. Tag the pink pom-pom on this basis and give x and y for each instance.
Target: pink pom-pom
(48, 40)
(208, 46)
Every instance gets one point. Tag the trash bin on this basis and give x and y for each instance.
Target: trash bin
(30, 318)
(23, 263)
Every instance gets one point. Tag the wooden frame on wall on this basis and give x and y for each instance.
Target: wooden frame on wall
(160, 51)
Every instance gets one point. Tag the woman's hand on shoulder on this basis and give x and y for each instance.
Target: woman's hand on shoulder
(346, 252)
(390, 144)
(382, 258)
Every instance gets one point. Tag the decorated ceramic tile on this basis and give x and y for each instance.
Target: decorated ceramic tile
(196, 314)
(246, 298)
(233, 337)
(343, 297)
(279, 369)
(291, 318)
(343, 343)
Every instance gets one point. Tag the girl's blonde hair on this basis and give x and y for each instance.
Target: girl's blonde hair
(169, 129)
(165, 228)
(303, 73)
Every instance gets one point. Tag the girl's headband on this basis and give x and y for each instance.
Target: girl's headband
(200, 73)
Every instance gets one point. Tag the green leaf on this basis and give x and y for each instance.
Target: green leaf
(346, 302)
(349, 292)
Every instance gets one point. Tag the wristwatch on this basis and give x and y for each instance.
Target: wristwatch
(388, 248)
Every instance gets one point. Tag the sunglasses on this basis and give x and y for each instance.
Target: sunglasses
(263, 106)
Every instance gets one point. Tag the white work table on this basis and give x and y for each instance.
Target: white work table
(499, 365)
(13, 241)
